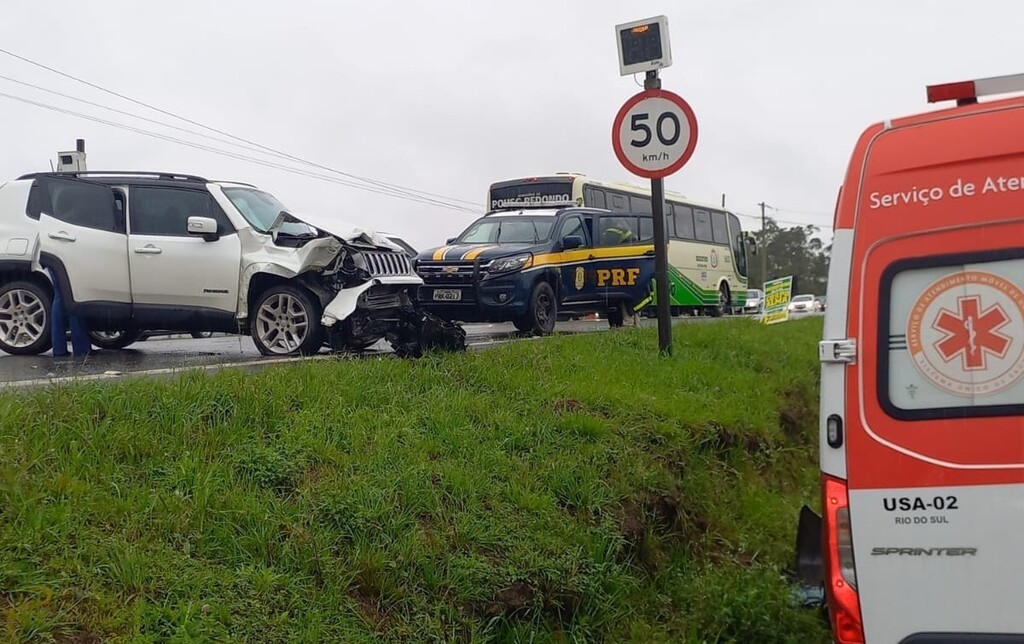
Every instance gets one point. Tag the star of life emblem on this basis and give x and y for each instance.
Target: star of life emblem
(965, 333)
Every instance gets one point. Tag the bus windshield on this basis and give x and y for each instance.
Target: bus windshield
(508, 230)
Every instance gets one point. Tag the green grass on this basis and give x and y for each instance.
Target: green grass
(576, 488)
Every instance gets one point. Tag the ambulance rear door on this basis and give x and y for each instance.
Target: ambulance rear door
(935, 449)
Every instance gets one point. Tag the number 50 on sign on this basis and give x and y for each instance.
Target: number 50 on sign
(654, 133)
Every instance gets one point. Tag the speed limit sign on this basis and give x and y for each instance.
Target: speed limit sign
(654, 133)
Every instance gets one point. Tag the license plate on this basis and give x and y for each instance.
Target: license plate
(447, 294)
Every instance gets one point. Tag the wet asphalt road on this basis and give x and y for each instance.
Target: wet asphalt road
(165, 355)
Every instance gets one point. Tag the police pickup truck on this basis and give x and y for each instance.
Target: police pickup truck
(526, 265)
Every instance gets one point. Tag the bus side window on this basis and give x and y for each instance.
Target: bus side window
(683, 216)
(618, 202)
(640, 204)
(593, 197)
(719, 229)
(702, 226)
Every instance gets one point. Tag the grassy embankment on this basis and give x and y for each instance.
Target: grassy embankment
(575, 488)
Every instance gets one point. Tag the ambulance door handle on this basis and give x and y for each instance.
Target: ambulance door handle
(838, 351)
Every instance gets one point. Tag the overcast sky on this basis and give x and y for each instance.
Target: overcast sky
(448, 96)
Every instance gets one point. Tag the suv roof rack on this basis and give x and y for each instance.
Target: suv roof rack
(119, 173)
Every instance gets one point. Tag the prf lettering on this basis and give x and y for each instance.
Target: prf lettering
(617, 276)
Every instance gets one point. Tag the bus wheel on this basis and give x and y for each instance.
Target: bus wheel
(542, 312)
(723, 301)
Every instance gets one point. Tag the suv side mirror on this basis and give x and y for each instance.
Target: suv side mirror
(450, 240)
(572, 241)
(203, 226)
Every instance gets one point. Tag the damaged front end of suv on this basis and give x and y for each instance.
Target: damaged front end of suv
(366, 289)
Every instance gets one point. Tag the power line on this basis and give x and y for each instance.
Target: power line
(781, 221)
(380, 184)
(815, 213)
(233, 155)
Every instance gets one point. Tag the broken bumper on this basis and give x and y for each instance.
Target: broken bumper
(346, 301)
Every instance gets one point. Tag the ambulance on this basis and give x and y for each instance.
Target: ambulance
(921, 538)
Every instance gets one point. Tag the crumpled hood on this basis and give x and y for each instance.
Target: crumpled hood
(337, 227)
(470, 252)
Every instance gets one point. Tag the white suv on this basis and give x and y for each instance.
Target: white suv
(132, 252)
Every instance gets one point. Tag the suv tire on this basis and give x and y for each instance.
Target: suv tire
(114, 340)
(285, 321)
(542, 312)
(25, 314)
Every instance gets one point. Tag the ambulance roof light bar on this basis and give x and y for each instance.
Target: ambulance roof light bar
(968, 92)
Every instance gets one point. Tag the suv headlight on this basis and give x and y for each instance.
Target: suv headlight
(509, 264)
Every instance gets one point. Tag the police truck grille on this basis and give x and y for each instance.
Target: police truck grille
(449, 273)
(385, 264)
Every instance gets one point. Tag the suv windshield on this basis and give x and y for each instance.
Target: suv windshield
(260, 209)
(508, 230)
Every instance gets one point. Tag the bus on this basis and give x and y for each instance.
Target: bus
(706, 246)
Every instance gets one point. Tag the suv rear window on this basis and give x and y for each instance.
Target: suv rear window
(951, 336)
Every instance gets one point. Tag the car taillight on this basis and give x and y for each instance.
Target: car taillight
(840, 571)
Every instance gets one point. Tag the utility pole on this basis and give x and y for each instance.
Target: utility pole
(764, 251)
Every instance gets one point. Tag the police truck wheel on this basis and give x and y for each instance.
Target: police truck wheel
(285, 321)
(24, 318)
(543, 311)
(723, 302)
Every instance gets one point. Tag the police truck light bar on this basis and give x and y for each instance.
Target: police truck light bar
(967, 92)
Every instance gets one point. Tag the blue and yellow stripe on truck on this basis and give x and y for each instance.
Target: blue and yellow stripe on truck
(590, 254)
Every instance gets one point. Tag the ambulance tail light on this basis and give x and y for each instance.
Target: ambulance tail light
(967, 92)
(837, 558)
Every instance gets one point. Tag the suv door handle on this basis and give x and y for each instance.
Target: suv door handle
(62, 236)
(648, 252)
(149, 249)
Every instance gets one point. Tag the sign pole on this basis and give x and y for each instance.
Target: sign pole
(652, 81)
(653, 135)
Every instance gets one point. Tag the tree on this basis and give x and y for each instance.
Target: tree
(791, 251)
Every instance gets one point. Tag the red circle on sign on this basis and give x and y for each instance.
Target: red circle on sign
(687, 152)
